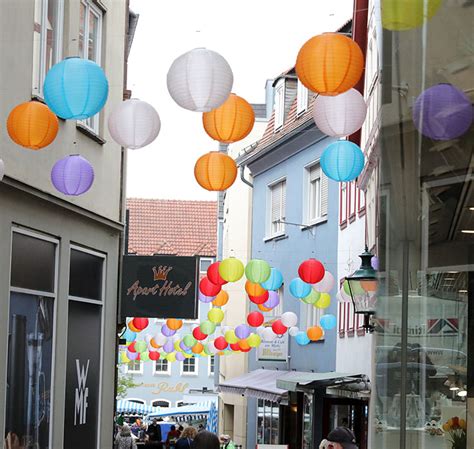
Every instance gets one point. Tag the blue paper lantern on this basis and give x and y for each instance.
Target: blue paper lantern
(275, 281)
(328, 322)
(129, 336)
(299, 288)
(342, 161)
(76, 88)
(302, 339)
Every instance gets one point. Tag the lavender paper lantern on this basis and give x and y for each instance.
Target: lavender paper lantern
(180, 357)
(273, 300)
(166, 331)
(442, 112)
(242, 331)
(168, 347)
(206, 299)
(72, 175)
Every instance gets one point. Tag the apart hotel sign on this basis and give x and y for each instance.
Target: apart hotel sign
(159, 287)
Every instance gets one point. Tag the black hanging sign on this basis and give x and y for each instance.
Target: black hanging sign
(159, 287)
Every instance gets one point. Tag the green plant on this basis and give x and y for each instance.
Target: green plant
(124, 383)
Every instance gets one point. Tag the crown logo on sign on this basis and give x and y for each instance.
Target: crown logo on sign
(161, 273)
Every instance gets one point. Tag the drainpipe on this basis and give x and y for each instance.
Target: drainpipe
(242, 177)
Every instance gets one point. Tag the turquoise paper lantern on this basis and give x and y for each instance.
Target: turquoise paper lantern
(76, 88)
(302, 339)
(342, 161)
(299, 288)
(328, 322)
(275, 281)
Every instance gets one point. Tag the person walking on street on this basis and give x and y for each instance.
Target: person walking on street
(206, 440)
(154, 434)
(125, 439)
(186, 439)
(339, 438)
(172, 438)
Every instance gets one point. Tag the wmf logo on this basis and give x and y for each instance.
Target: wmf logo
(82, 394)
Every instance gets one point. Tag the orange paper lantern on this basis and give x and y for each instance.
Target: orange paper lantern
(215, 171)
(32, 125)
(330, 64)
(174, 324)
(230, 122)
(263, 308)
(197, 348)
(222, 299)
(315, 333)
(253, 289)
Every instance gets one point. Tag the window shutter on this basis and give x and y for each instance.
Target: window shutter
(276, 202)
(314, 172)
(283, 199)
(324, 194)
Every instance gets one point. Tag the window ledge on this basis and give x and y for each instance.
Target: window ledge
(190, 374)
(162, 374)
(88, 132)
(352, 218)
(315, 223)
(275, 237)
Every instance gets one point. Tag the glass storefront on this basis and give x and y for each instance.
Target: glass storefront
(425, 223)
(267, 422)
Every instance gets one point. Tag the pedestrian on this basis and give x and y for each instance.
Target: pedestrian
(186, 439)
(339, 438)
(206, 440)
(200, 428)
(154, 433)
(172, 438)
(227, 442)
(124, 439)
(180, 430)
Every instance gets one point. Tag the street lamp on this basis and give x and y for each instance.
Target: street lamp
(363, 289)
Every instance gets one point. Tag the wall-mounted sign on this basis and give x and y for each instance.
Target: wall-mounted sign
(275, 351)
(159, 287)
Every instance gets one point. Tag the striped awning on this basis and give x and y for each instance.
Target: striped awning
(199, 410)
(124, 406)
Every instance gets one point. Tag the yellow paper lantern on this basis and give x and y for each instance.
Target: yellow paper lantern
(230, 337)
(171, 357)
(215, 171)
(215, 315)
(221, 299)
(323, 302)
(401, 15)
(231, 269)
(230, 122)
(330, 64)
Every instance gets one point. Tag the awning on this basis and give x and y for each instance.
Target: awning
(294, 380)
(261, 384)
(200, 410)
(124, 406)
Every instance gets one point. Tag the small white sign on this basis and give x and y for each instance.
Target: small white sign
(276, 350)
(272, 446)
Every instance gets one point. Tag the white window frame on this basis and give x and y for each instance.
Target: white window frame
(57, 56)
(301, 99)
(279, 104)
(136, 400)
(92, 123)
(281, 231)
(308, 195)
(207, 259)
(53, 295)
(312, 315)
(162, 373)
(160, 400)
(134, 372)
(194, 373)
(209, 372)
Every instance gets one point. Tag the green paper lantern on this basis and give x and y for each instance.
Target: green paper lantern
(257, 271)
(230, 337)
(231, 269)
(144, 357)
(189, 340)
(140, 346)
(215, 315)
(312, 297)
(254, 340)
(207, 327)
(324, 301)
(206, 350)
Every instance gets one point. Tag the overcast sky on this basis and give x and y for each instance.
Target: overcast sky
(259, 39)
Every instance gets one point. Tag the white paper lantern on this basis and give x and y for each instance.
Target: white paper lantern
(268, 334)
(134, 124)
(289, 319)
(2, 169)
(260, 330)
(160, 339)
(341, 115)
(293, 331)
(200, 80)
(326, 284)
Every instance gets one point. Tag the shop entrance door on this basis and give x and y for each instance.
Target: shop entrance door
(352, 413)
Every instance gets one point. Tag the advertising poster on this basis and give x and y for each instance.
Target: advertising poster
(28, 406)
(159, 287)
(83, 376)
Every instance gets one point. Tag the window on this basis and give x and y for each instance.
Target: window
(301, 99)
(47, 40)
(161, 403)
(268, 416)
(342, 319)
(85, 275)
(317, 195)
(189, 367)
(212, 361)
(361, 202)
(279, 104)
(204, 263)
(135, 367)
(352, 197)
(343, 204)
(90, 44)
(162, 366)
(136, 401)
(277, 208)
(313, 315)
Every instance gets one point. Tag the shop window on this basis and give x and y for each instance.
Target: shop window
(47, 40)
(85, 275)
(277, 208)
(343, 199)
(267, 422)
(301, 98)
(30, 352)
(189, 367)
(212, 361)
(90, 44)
(307, 421)
(204, 264)
(162, 366)
(162, 403)
(279, 104)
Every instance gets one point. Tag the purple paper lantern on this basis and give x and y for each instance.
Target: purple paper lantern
(72, 175)
(166, 331)
(180, 357)
(132, 355)
(168, 346)
(273, 300)
(183, 346)
(242, 331)
(375, 263)
(442, 112)
(206, 299)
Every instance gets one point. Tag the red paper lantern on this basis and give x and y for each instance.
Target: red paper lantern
(260, 299)
(154, 355)
(255, 319)
(207, 288)
(213, 274)
(131, 347)
(235, 347)
(140, 323)
(278, 327)
(198, 334)
(244, 346)
(220, 343)
(311, 271)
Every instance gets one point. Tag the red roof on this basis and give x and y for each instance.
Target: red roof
(181, 228)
